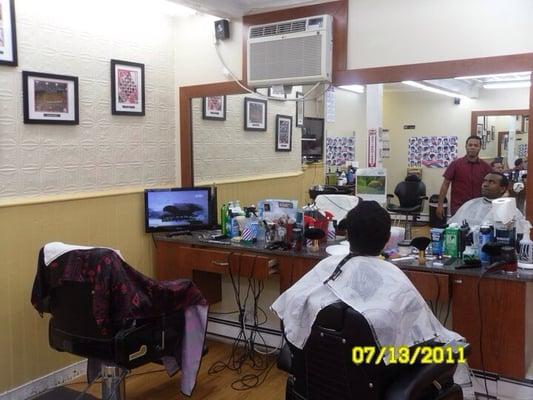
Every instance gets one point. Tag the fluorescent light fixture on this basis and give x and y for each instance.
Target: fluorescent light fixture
(507, 74)
(507, 85)
(434, 90)
(353, 88)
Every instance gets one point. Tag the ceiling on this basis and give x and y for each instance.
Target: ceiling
(238, 8)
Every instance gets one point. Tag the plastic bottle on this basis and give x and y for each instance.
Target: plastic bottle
(451, 240)
(223, 217)
(485, 236)
(331, 231)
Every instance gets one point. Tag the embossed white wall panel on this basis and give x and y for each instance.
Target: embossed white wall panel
(224, 150)
(104, 151)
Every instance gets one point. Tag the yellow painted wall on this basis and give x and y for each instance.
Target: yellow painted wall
(111, 220)
(114, 221)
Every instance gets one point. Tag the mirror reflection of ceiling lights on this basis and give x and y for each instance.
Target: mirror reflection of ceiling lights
(353, 88)
(469, 86)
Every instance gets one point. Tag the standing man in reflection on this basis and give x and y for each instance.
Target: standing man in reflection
(466, 175)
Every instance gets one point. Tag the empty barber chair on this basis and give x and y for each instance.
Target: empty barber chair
(104, 310)
(411, 194)
(324, 369)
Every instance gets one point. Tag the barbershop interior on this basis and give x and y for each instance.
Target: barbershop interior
(284, 199)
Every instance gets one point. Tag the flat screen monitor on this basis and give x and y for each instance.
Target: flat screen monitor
(371, 184)
(312, 139)
(178, 209)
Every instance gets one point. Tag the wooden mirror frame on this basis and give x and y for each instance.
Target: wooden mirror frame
(365, 76)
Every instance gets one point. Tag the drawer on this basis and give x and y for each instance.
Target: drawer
(243, 264)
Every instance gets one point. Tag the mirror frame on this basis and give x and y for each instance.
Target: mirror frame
(343, 76)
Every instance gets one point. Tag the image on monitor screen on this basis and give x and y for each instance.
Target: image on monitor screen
(177, 209)
(371, 184)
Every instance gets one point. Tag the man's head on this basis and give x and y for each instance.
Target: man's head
(519, 163)
(368, 226)
(497, 165)
(473, 146)
(494, 185)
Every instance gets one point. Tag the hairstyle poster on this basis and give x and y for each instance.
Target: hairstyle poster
(339, 150)
(432, 151)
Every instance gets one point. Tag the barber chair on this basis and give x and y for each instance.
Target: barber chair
(411, 194)
(129, 343)
(324, 369)
(133, 343)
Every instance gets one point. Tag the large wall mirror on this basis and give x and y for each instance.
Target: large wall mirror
(431, 114)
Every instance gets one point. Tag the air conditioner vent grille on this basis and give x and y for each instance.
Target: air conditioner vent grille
(291, 57)
(278, 29)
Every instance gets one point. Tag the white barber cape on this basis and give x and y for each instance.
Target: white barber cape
(479, 210)
(377, 289)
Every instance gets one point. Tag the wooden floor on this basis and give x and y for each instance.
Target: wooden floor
(142, 384)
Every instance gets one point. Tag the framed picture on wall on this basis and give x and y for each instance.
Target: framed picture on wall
(49, 98)
(525, 124)
(214, 107)
(283, 133)
(277, 92)
(479, 130)
(8, 33)
(255, 112)
(127, 88)
(492, 132)
(299, 109)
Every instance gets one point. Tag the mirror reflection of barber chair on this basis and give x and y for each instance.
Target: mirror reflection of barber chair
(411, 194)
(324, 368)
(127, 343)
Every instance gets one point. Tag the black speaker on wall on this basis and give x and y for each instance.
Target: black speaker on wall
(222, 29)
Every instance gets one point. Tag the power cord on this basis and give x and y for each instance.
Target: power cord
(245, 349)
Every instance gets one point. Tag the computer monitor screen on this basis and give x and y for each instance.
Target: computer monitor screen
(177, 209)
(371, 184)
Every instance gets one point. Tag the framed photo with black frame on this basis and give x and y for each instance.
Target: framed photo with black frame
(127, 88)
(283, 132)
(299, 109)
(493, 132)
(214, 107)
(50, 99)
(255, 112)
(479, 130)
(8, 33)
(276, 92)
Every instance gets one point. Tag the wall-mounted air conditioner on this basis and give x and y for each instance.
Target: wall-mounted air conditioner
(290, 52)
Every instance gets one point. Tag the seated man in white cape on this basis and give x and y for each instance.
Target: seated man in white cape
(480, 210)
(377, 289)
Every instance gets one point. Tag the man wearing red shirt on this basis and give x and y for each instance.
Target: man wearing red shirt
(466, 176)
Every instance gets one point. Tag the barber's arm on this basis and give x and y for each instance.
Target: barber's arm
(442, 194)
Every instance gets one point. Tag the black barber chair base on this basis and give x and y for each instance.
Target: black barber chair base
(73, 329)
(324, 369)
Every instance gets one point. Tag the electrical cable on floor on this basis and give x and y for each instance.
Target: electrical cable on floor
(245, 350)
(84, 391)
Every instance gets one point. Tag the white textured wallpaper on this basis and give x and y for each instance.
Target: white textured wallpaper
(104, 151)
(224, 150)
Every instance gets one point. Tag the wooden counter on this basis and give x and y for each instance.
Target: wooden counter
(503, 309)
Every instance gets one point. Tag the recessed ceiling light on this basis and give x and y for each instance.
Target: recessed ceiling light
(435, 90)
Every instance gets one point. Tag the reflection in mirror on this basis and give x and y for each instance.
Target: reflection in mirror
(418, 119)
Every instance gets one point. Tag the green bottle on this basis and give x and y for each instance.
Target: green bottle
(223, 218)
(451, 240)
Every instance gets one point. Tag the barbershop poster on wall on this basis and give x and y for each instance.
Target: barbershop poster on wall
(339, 150)
(432, 151)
